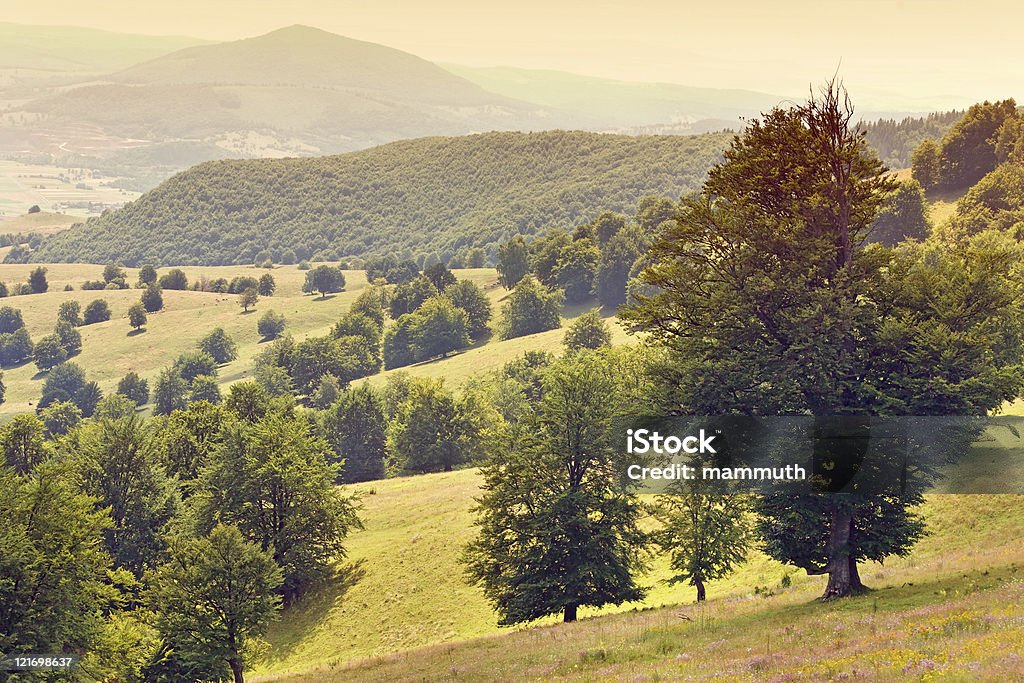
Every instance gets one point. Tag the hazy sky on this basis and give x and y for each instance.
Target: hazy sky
(906, 48)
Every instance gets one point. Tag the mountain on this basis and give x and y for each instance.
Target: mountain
(72, 50)
(601, 102)
(432, 197)
(295, 91)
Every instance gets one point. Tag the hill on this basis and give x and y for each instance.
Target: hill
(398, 590)
(56, 50)
(431, 196)
(605, 103)
(295, 91)
(42, 222)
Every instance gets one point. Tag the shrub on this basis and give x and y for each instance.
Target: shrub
(96, 312)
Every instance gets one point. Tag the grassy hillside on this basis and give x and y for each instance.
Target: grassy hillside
(42, 222)
(425, 196)
(398, 590)
(109, 351)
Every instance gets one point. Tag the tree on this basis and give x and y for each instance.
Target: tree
(70, 312)
(576, 269)
(438, 328)
(241, 283)
(16, 347)
(926, 164)
(439, 276)
(54, 574)
(147, 276)
(70, 338)
(23, 441)
(113, 273)
(969, 147)
(60, 417)
(134, 388)
(902, 216)
(327, 391)
(468, 296)
(175, 278)
(49, 352)
(271, 325)
(267, 285)
(588, 331)
(192, 364)
(37, 280)
(616, 261)
(513, 262)
(88, 397)
(372, 302)
(995, 203)
(409, 296)
(544, 253)
(706, 534)
(1009, 140)
(556, 530)
(398, 345)
(272, 480)
(169, 392)
(357, 325)
(10, 320)
(248, 298)
(476, 258)
(355, 427)
(766, 304)
(426, 434)
(652, 212)
(153, 298)
(119, 464)
(220, 346)
(529, 309)
(212, 598)
(137, 315)
(204, 388)
(188, 437)
(324, 279)
(66, 379)
(96, 312)
(606, 225)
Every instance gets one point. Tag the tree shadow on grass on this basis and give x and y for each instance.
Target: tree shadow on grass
(136, 333)
(301, 618)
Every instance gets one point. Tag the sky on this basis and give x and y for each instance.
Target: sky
(927, 51)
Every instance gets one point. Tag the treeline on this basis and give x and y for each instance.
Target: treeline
(895, 141)
(429, 200)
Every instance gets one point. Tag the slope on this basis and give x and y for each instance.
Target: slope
(430, 196)
(401, 588)
(602, 102)
(297, 90)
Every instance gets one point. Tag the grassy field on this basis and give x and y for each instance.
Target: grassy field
(42, 222)
(110, 349)
(401, 589)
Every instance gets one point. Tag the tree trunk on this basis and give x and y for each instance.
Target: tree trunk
(700, 590)
(570, 613)
(236, 669)
(843, 578)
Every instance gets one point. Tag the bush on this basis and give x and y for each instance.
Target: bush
(96, 312)
(305, 265)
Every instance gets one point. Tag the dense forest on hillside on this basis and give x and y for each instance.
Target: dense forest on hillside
(895, 141)
(430, 197)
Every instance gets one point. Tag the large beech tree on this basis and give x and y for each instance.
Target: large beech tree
(769, 303)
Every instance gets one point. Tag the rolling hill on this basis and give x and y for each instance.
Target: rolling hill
(605, 103)
(297, 90)
(431, 197)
